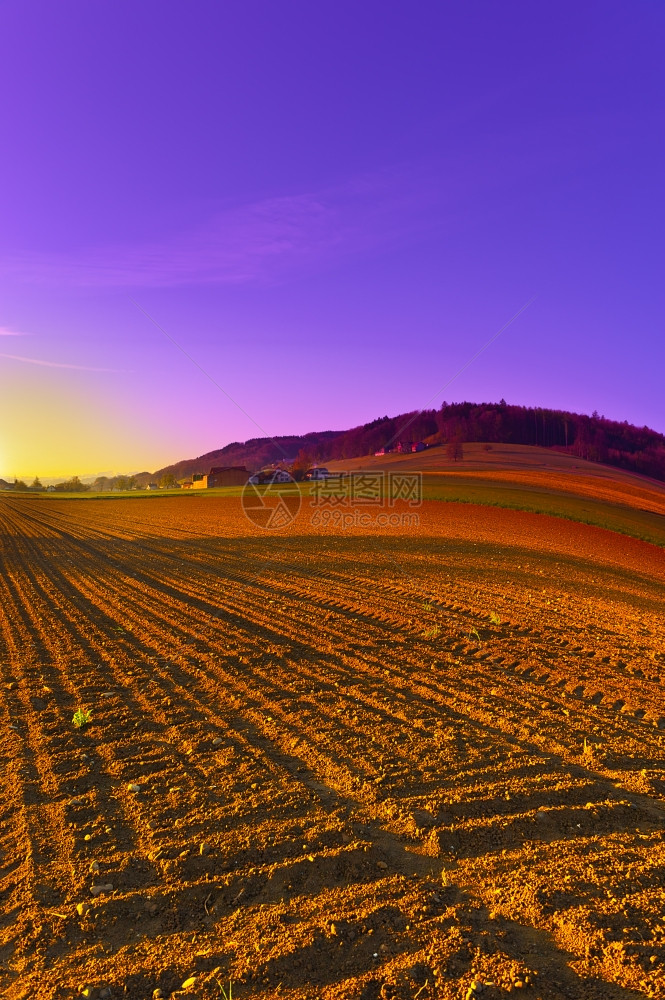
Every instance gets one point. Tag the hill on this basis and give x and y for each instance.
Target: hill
(255, 453)
(592, 438)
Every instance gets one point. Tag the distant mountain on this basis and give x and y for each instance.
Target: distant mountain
(253, 454)
(590, 437)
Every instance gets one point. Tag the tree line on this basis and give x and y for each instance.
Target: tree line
(102, 484)
(73, 485)
(594, 438)
(106, 484)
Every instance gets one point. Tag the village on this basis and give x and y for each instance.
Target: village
(285, 472)
(217, 477)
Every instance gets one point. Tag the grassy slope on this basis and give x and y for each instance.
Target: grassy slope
(646, 525)
(521, 477)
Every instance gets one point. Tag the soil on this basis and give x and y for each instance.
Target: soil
(326, 763)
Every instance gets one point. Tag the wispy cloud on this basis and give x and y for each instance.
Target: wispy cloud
(266, 240)
(57, 364)
(6, 332)
(257, 242)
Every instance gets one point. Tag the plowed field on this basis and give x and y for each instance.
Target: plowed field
(328, 764)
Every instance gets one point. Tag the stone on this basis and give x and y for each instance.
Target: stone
(217, 742)
(382, 865)
(204, 848)
(134, 787)
(94, 867)
(82, 908)
(99, 890)
(188, 983)
(157, 994)
(423, 819)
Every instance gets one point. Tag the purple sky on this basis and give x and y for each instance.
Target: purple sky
(330, 207)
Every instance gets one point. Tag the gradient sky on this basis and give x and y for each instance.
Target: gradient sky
(331, 207)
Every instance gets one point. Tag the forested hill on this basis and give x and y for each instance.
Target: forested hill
(254, 454)
(594, 438)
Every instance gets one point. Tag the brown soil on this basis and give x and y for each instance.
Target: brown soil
(368, 765)
(527, 467)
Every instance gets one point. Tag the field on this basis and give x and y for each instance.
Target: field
(382, 765)
(521, 477)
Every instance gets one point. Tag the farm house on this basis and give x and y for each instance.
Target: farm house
(232, 475)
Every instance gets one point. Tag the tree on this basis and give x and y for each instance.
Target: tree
(19, 485)
(168, 481)
(301, 464)
(73, 485)
(455, 450)
(36, 485)
(121, 483)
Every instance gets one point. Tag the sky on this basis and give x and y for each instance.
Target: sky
(221, 221)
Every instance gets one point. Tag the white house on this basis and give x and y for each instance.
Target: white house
(267, 476)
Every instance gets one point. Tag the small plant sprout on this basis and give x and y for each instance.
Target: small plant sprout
(494, 618)
(474, 634)
(81, 717)
(225, 994)
(431, 633)
(427, 606)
